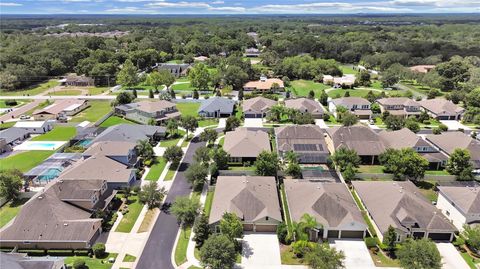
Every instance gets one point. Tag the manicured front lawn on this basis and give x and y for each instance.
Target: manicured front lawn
(348, 70)
(208, 203)
(156, 169)
(59, 133)
(65, 92)
(128, 220)
(182, 87)
(129, 258)
(9, 210)
(26, 160)
(371, 169)
(188, 108)
(97, 110)
(115, 120)
(182, 244)
(241, 168)
(92, 263)
(172, 140)
(303, 87)
(33, 90)
(170, 173)
(207, 122)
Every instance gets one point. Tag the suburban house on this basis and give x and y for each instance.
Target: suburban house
(447, 142)
(253, 199)
(200, 58)
(132, 133)
(460, 204)
(51, 168)
(405, 138)
(23, 261)
(305, 105)
(400, 106)
(78, 81)
(402, 206)
(331, 204)
(343, 81)
(442, 109)
(60, 109)
(34, 127)
(216, 107)
(307, 141)
(177, 70)
(143, 111)
(422, 68)
(60, 217)
(362, 139)
(257, 107)
(252, 52)
(120, 151)
(11, 137)
(244, 145)
(265, 85)
(356, 105)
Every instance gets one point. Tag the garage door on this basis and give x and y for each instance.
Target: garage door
(439, 236)
(352, 234)
(332, 234)
(248, 227)
(418, 235)
(266, 228)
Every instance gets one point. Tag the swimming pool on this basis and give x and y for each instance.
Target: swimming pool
(49, 174)
(84, 142)
(40, 145)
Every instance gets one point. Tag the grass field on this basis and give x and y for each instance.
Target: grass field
(128, 220)
(33, 90)
(353, 92)
(303, 87)
(347, 70)
(7, 125)
(207, 122)
(66, 92)
(114, 120)
(182, 244)
(170, 173)
(59, 133)
(9, 210)
(26, 160)
(92, 263)
(374, 169)
(188, 109)
(182, 87)
(97, 90)
(3, 105)
(97, 110)
(156, 169)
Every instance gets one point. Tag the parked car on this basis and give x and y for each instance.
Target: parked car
(24, 117)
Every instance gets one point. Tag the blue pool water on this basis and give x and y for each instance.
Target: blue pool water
(50, 174)
(84, 143)
(43, 145)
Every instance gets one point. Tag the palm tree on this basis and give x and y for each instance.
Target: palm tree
(145, 150)
(276, 112)
(172, 126)
(151, 195)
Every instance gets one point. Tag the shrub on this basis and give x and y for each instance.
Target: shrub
(79, 264)
(99, 250)
(11, 102)
(282, 232)
(443, 127)
(436, 131)
(370, 242)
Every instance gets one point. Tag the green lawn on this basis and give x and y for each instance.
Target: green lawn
(97, 90)
(376, 84)
(7, 125)
(348, 70)
(288, 257)
(221, 141)
(33, 90)
(182, 244)
(427, 189)
(303, 87)
(182, 87)
(188, 109)
(59, 133)
(26, 160)
(170, 173)
(285, 206)
(470, 260)
(128, 220)
(129, 258)
(353, 92)
(9, 210)
(437, 172)
(115, 120)
(66, 92)
(156, 169)
(371, 169)
(97, 110)
(92, 263)
(241, 168)
(172, 140)
(3, 105)
(208, 203)
(207, 122)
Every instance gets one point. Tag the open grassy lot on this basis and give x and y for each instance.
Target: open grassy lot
(128, 220)
(3, 105)
(59, 133)
(26, 160)
(97, 90)
(92, 263)
(353, 92)
(182, 244)
(347, 70)
(156, 169)
(9, 210)
(33, 90)
(115, 120)
(66, 92)
(303, 87)
(97, 110)
(188, 109)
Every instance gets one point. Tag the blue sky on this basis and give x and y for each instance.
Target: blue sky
(235, 6)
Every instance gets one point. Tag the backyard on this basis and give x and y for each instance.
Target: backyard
(9, 210)
(97, 110)
(25, 161)
(188, 108)
(128, 220)
(115, 120)
(353, 92)
(59, 133)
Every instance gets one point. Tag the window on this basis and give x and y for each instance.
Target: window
(447, 213)
(266, 218)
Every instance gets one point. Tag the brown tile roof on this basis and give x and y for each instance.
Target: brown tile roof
(110, 148)
(400, 204)
(305, 105)
(441, 107)
(258, 104)
(465, 198)
(246, 143)
(393, 101)
(251, 198)
(449, 141)
(264, 84)
(358, 137)
(350, 101)
(154, 106)
(329, 203)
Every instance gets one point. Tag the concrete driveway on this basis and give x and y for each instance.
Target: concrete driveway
(451, 259)
(222, 122)
(321, 123)
(356, 253)
(253, 122)
(454, 125)
(260, 250)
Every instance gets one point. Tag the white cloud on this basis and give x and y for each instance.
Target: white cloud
(126, 10)
(218, 2)
(436, 3)
(10, 4)
(228, 9)
(181, 4)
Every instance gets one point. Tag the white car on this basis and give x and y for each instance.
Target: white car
(24, 117)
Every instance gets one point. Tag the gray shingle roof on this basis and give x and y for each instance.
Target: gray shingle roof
(305, 104)
(290, 136)
(258, 105)
(224, 105)
(449, 141)
(12, 134)
(129, 132)
(441, 107)
(350, 101)
(358, 137)
(465, 198)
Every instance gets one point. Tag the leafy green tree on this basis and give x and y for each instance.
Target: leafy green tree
(453, 72)
(350, 172)
(394, 123)
(390, 238)
(347, 94)
(235, 76)
(150, 94)
(159, 78)
(459, 164)
(473, 98)
(79, 263)
(311, 94)
(349, 119)
(276, 113)
(201, 230)
(185, 209)
(412, 125)
(99, 250)
(404, 163)
(364, 79)
(196, 174)
(301, 119)
(172, 126)
(323, 99)
(124, 98)
(218, 252)
(151, 195)
(189, 123)
(220, 157)
(231, 226)
(195, 94)
(324, 257)
(267, 164)
(232, 123)
(209, 135)
(282, 233)
(199, 77)
(145, 150)
(472, 237)
(419, 254)
(343, 156)
(173, 154)
(10, 184)
(202, 155)
(127, 76)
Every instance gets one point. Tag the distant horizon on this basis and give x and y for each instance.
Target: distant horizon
(236, 7)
